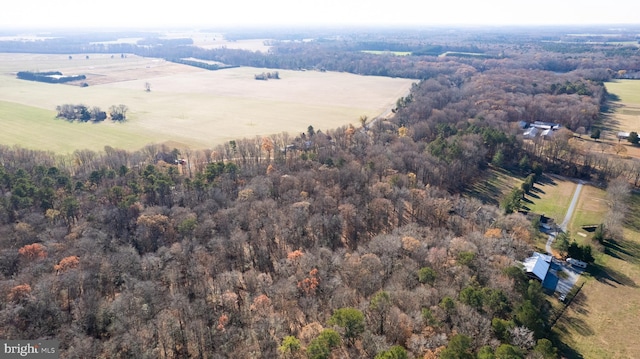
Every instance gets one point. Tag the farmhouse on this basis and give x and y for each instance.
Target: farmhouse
(539, 129)
(546, 125)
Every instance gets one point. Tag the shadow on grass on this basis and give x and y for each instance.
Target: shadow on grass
(533, 194)
(485, 192)
(547, 181)
(611, 276)
(632, 217)
(625, 250)
(578, 303)
(564, 350)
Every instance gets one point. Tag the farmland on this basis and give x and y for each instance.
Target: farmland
(186, 105)
(626, 116)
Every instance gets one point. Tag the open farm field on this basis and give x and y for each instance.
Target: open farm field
(187, 105)
(626, 116)
(98, 68)
(33, 127)
(627, 90)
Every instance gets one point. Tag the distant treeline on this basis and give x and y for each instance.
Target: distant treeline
(202, 65)
(344, 53)
(53, 77)
(154, 41)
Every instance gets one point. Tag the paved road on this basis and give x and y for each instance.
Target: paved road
(567, 217)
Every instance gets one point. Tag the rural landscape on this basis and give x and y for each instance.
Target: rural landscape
(326, 193)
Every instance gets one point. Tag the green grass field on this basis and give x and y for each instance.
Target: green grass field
(627, 90)
(33, 127)
(591, 209)
(190, 106)
(553, 198)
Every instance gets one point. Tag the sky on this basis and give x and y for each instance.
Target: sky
(198, 13)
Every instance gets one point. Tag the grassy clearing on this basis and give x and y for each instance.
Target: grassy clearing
(603, 323)
(626, 115)
(187, 105)
(551, 197)
(495, 184)
(590, 210)
(628, 91)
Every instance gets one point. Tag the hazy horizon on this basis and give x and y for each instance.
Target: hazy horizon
(70, 14)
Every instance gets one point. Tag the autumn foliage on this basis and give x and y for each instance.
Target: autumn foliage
(309, 285)
(33, 251)
(67, 263)
(19, 292)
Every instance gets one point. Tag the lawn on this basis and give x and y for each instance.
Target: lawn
(187, 105)
(551, 196)
(591, 209)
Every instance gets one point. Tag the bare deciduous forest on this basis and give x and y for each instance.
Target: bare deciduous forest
(351, 242)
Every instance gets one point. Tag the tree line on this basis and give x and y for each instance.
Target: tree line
(84, 113)
(53, 77)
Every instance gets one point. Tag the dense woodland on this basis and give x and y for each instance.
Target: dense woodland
(360, 241)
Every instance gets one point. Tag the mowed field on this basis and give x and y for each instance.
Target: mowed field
(189, 106)
(626, 115)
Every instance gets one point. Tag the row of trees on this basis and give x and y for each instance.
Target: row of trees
(83, 113)
(268, 75)
(53, 77)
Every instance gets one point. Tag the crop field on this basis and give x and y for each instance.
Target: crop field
(186, 105)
